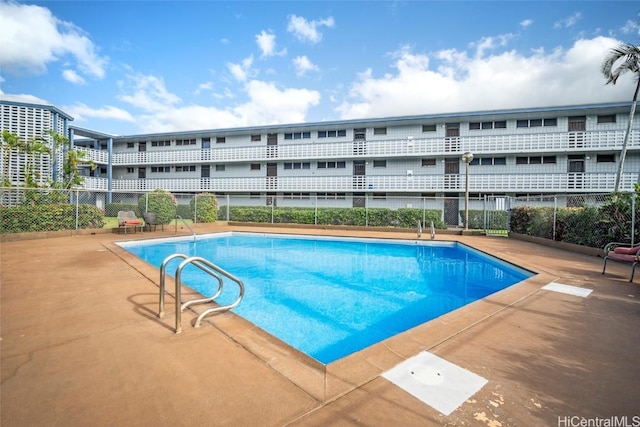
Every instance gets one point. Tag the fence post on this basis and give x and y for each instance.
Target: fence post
(228, 202)
(366, 210)
(555, 215)
(633, 218)
(315, 214)
(77, 209)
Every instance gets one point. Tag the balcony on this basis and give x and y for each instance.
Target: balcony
(487, 183)
(397, 148)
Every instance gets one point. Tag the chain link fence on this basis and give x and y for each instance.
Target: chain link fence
(590, 220)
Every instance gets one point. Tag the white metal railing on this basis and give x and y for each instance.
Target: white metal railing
(489, 144)
(546, 182)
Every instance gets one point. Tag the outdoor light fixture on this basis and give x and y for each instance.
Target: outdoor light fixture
(467, 158)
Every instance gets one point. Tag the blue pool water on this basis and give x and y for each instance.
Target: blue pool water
(330, 297)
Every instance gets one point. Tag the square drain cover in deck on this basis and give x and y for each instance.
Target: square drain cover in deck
(436, 382)
(567, 289)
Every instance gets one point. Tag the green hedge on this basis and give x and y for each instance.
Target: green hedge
(592, 226)
(160, 202)
(23, 219)
(204, 207)
(373, 217)
(112, 209)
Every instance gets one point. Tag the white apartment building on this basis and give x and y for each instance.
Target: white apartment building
(410, 161)
(28, 122)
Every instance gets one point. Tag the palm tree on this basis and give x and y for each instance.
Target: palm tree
(630, 57)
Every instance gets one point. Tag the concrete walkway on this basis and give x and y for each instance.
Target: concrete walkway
(81, 345)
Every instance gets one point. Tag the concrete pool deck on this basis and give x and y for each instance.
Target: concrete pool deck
(81, 344)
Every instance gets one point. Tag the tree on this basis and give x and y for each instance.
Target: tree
(30, 149)
(628, 58)
(73, 159)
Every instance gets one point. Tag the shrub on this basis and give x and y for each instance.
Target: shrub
(184, 211)
(160, 202)
(204, 207)
(112, 209)
(52, 217)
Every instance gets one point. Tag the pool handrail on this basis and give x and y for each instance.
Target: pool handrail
(209, 268)
(178, 217)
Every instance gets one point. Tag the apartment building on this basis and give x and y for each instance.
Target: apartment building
(411, 161)
(29, 122)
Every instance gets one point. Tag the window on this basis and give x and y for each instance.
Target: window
(255, 138)
(535, 160)
(487, 125)
(332, 165)
(428, 128)
(130, 145)
(190, 168)
(428, 162)
(379, 163)
(161, 169)
(610, 118)
(379, 131)
(160, 143)
(130, 170)
(254, 166)
(220, 168)
(332, 196)
(297, 135)
(185, 142)
(489, 161)
(606, 158)
(330, 133)
(536, 123)
(221, 140)
(297, 165)
(292, 196)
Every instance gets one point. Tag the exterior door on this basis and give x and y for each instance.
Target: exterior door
(575, 171)
(142, 146)
(577, 127)
(452, 209)
(451, 173)
(359, 141)
(359, 174)
(272, 176)
(452, 137)
(272, 146)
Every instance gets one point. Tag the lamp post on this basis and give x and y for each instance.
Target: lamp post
(467, 158)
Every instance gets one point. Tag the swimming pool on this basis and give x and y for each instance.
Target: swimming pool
(330, 297)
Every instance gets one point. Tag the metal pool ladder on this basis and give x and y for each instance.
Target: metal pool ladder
(209, 268)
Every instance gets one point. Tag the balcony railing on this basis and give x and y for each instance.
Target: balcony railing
(501, 183)
(489, 144)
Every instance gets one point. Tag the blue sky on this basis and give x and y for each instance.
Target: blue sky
(127, 67)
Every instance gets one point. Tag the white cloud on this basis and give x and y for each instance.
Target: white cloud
(490, 43)
(72, 76)
(148, 93)
(307, 31)
(631, 27)
(31, 38)
(303, 65)
(81, 112)
(569, 21)
(267, 43)
(26, 98)
(526, 23)
(206, 86)
(459, 82)
(241, 72)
